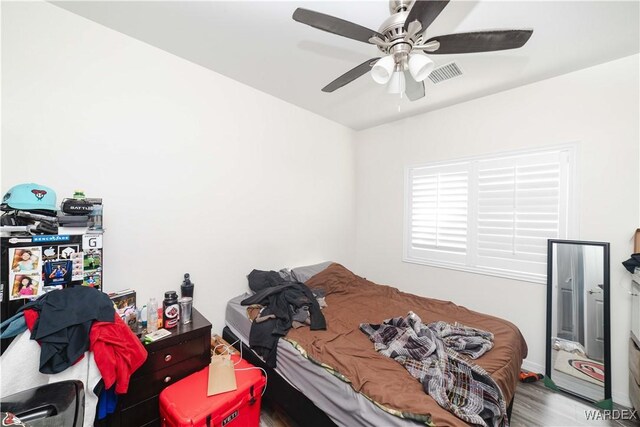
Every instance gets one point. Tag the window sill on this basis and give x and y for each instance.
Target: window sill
(514, 275)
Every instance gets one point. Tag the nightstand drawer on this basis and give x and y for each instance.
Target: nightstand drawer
(169, 356)
(146, 386)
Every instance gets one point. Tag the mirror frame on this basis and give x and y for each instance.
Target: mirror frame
(606, 403)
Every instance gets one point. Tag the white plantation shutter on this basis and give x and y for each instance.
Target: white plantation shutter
(521, 203)
(438, 223)
(490, 215)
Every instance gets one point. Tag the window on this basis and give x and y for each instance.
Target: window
(490, 215)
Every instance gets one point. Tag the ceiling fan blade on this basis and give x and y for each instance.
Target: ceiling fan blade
(335, 25)
(350, 75)
(413, 89)
(425, 12)
(481, 41)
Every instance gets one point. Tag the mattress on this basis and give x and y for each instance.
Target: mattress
(332, 395)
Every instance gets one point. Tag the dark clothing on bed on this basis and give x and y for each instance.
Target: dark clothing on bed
(273, 291)
(259, 280)
(282, 299)
(263, 340)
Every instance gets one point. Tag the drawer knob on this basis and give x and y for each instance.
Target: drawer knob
(167, 358)
(167, 379)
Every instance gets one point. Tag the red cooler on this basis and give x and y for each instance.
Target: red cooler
(186, 403)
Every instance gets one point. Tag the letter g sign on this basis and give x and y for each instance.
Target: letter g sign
(91, 241)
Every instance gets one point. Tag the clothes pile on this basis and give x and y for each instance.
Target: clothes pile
(432, 354)
(67, 323)
(285, 303)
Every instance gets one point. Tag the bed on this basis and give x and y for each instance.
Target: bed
(315, 386)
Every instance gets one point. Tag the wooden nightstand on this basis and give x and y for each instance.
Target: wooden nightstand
(170, 359)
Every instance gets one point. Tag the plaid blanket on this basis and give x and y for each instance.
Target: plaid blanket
(463, 339)
(431, 353)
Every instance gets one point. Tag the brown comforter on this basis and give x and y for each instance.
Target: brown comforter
(353, 300)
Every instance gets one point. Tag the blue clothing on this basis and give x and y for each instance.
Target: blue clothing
(107, 402)
(13, 326)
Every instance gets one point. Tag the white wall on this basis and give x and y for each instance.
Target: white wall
(596, 107)
(198, 173)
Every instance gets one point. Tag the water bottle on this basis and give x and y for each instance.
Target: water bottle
(95, 217)
(143, 317)
(152, 316)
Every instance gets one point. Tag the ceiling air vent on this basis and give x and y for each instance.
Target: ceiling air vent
(445, 72)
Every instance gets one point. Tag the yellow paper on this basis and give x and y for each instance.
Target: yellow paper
(222, 376)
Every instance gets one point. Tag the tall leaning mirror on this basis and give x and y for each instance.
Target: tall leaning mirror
(578, 359)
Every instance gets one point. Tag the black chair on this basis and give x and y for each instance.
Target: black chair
(56, 404)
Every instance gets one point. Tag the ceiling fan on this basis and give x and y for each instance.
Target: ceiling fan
(402, 41)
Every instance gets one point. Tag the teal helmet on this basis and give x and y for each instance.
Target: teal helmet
(29, 197)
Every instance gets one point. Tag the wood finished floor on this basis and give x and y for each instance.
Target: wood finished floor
(535, 405)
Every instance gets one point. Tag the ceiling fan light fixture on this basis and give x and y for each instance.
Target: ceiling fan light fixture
(382, 71)
(396, 83)
(403, 33)
(420, 66)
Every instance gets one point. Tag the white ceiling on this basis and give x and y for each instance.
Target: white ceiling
(257, 43)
